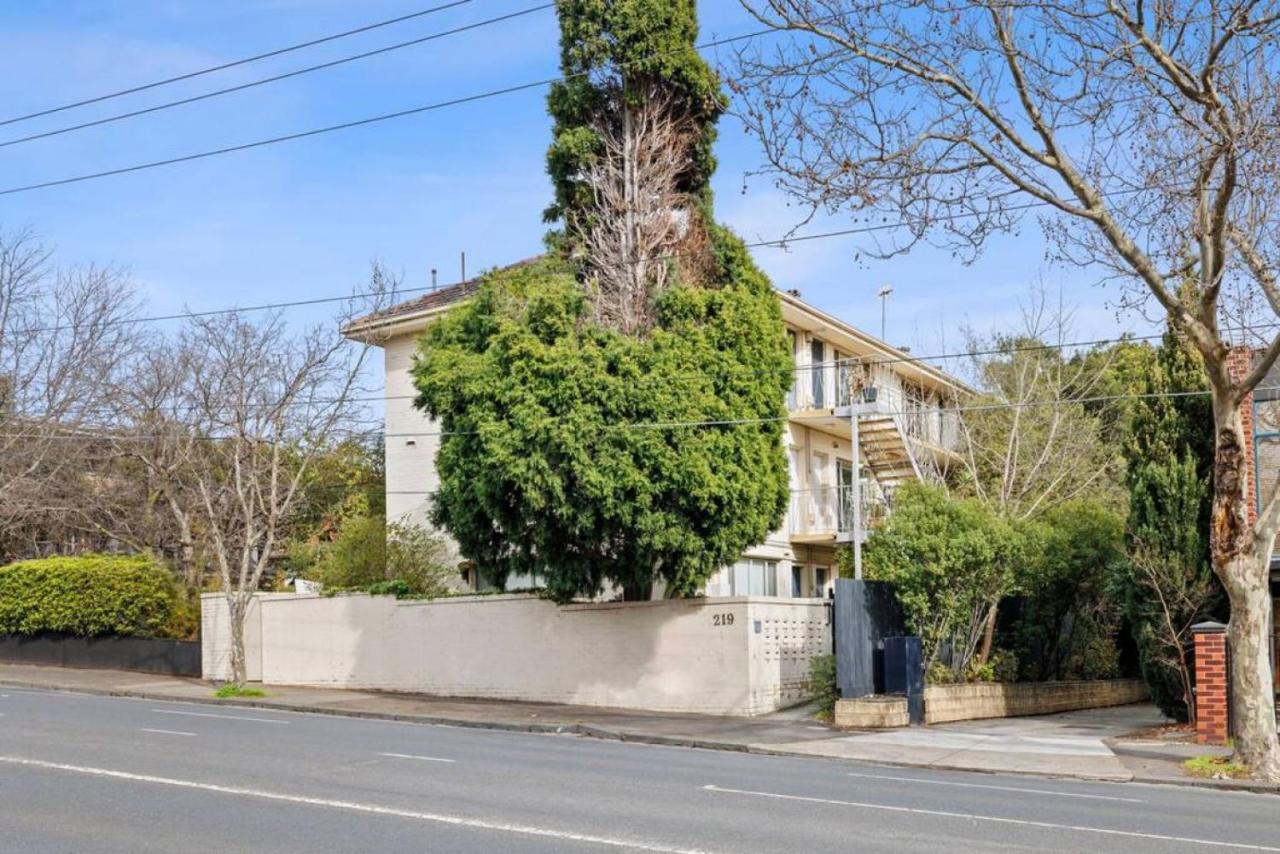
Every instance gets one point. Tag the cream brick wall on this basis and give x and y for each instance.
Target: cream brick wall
(722, 656)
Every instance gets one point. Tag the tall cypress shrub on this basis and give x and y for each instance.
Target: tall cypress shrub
(1169, 452)
(579, 454)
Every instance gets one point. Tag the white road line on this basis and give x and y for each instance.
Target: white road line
(412, 756)
(167, 731)
(1080, 828)
(996, 788)
(354, 806)
(223, 717)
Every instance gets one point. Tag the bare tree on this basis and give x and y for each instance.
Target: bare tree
(262, 403)
(65, 333)
(1144, 132)
(640, 221)
(148, 503)
(1029, 440)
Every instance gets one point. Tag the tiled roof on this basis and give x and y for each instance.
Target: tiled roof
(438, 298)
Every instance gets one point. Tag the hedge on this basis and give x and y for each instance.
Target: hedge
(87, 595)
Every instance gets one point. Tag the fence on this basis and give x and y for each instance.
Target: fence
(145, 655)
(735, 656)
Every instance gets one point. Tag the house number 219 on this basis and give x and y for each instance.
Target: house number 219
(722, 619)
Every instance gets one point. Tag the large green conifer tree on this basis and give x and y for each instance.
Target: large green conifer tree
(1168, 583)
(581, 454)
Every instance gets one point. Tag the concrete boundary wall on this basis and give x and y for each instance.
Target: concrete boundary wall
(215, 636)
(735, 656)
(945, 703)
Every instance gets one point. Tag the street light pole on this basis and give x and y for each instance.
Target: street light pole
(883, 293)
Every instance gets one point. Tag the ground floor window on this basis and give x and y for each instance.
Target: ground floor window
(797, 581)
(820, 576)
(751, 577)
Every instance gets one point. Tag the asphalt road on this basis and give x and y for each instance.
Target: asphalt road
(82, 773)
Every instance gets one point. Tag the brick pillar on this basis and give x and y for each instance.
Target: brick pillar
(1212, 724)
(1239, 363)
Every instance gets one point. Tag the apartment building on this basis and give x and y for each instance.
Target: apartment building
(905, 429)
(851, 389)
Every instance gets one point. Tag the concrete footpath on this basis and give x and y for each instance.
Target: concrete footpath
(1079, 744)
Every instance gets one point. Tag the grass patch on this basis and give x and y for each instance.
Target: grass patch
(233, 690)
(1215, 767)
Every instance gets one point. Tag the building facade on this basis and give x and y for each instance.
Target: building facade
(903, 409)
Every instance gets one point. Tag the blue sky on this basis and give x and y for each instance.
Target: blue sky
(303, 219)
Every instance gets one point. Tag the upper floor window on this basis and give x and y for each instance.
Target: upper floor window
(817, 371)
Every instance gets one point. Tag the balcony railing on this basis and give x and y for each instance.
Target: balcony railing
(841, 383)
(828, 510)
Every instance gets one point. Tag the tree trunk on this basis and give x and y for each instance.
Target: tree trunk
(1188, 688)
(1243, 570)
(237, 609)
(988, 635)
(636, 591)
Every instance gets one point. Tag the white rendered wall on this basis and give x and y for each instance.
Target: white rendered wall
(721, 656)
(411, 443)
(215, 636)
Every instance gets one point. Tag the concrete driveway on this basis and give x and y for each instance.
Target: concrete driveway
(1068, 744)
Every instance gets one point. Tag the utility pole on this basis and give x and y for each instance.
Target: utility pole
(883, 293)
(854, 418)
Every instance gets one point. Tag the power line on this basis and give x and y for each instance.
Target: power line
(275, 78)
(674, 425)
(412, 111)
(854, 362)
(780, 242)
(224, 66)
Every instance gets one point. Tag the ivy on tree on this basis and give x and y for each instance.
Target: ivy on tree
(612, 52)
(578, 453)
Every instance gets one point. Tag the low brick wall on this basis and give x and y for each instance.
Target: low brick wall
(871, 713)
(944, 703)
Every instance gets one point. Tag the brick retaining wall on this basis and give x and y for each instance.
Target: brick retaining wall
(972, 701)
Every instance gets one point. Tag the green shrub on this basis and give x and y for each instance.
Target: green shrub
(822, 679)
(184, 618)
(940, 673)
(87, 595)
(1002, 666)
(399, 559)
(231, 689)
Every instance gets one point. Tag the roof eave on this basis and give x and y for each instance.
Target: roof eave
(933, 372)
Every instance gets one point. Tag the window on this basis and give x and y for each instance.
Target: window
(844, 496)
(791, 393)
(754, 578)
(797, 582)
(816, 372)
(820, 582)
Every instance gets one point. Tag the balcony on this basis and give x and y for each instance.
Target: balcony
(825, 514)
(823, 394)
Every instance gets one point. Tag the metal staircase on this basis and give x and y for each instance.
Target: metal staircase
(894, 430)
